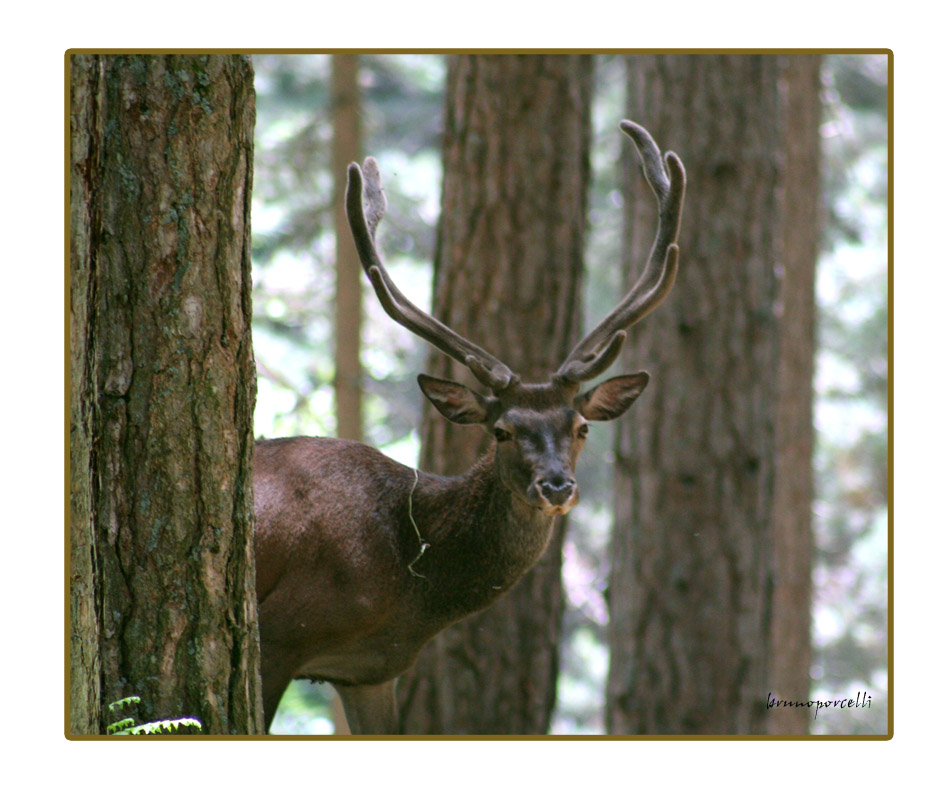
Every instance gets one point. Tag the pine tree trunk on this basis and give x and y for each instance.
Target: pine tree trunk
(84, 659)
(794, 439)
(163, 390)
(347, 305)
(692, 545)
(508, 277)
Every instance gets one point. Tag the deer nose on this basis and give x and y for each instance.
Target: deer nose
(556, 490)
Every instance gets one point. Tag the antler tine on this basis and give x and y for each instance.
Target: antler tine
(485, 367)
(667, 178)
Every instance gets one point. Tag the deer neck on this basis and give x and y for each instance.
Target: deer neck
(481, 538)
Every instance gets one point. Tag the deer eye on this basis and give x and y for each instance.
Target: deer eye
(501, 435)
(583, 430)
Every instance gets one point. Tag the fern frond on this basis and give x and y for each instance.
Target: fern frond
(118, 726)
(128, 725)
(128, 701)
(162, 727)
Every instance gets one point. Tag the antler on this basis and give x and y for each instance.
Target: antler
(599, 349)
(485, 367)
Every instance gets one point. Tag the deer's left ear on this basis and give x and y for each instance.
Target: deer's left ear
(612, 398)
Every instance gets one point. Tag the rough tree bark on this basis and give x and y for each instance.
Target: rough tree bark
(162, 594)
(794, 437)
(692, 545)
(84, 659)
(508, 276)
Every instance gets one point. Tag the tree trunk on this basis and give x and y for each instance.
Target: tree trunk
(692, 545)
(348, 308)
(84, 659)
(163, 390)
(791, 609)
(508, 277)
(346, 148)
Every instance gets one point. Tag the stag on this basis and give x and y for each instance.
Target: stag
(361, 560)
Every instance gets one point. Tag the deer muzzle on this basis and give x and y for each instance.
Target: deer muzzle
(557, 494)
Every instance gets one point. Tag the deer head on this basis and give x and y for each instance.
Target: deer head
(539, 428)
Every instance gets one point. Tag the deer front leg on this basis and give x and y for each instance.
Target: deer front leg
(370, 709)
(276, 672)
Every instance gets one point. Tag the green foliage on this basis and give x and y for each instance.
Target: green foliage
(121, 704)
(129, 726)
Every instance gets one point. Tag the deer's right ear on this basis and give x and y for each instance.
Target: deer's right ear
(455, 402)
(612, 398)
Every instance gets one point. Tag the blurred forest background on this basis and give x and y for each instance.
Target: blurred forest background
(400, 101)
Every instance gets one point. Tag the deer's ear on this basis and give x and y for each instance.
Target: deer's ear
(455, 402)
(612, 398)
